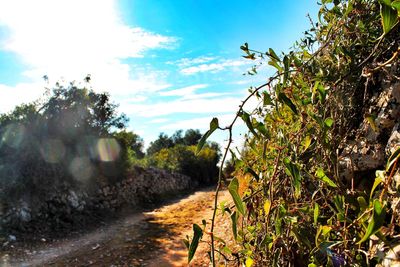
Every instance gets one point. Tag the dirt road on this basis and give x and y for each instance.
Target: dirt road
(142, 239)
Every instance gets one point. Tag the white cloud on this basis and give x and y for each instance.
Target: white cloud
(213, 67)
(73, 38)
(189, 90)
(185, 62)
(194, 106)
(21, 93)
(160, 120)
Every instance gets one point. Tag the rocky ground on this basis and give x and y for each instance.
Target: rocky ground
(152, 238)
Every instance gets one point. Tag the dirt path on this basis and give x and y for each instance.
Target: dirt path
(142, 239)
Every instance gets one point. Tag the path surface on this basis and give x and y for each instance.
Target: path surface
(142, 239)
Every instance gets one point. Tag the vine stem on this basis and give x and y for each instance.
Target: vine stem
(220, 176)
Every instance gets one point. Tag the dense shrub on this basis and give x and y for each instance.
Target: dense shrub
(320, 188)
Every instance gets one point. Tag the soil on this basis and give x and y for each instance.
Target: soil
(152, 238)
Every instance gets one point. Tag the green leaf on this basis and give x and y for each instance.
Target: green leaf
(328, 122)
(284, 99)
(246, 118)
(293, 170)
(278, 226)
(261, 128)
(213, 126)
(392, 159)
(316, 213)
(322, 176)
(198, 234)
(251, 56)
(234, 224)
(267, 99)
(273, 55)
(389, 17)
(377, 220)
(362, 203)
(286, 64)
(396, 5)
(233, 190)
(385, 2)
(245, 47)
(273, 63)
(186, 243)
(380, 177)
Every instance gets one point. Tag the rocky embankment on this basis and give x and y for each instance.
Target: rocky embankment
(68, 207)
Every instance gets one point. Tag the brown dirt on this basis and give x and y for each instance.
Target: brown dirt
(142, 239)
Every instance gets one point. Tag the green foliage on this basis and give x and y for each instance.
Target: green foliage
(182, 159)
(299, 211)
(177, 154)
(163, 141)
(131, 150)
(190, 138)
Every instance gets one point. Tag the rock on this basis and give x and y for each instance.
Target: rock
(394, 140)
(73, 199)
(12, 238)
(391, 258)
(25, 215)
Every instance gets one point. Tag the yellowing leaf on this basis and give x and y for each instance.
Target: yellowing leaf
(316, 213)
(267, 207)
(249, 262)
(321, 175)
(371, 121)
(306, 142)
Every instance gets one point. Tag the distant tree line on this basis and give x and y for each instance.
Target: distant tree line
(178, 153)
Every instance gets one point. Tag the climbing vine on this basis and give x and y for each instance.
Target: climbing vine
(299, 207)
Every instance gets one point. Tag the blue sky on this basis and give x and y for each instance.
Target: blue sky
(170, 64)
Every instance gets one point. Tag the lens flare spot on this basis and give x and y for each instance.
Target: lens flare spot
(52, 150)
(13, 135)
(81, 169)
(108, 149)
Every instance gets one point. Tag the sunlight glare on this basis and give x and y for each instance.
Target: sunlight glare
(81, 168)
(108, 149)
(13, 135)
(52, 150)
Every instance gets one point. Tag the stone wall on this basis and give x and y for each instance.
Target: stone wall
(70, 207)
(377, 137)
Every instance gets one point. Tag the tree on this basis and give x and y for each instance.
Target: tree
(181, 158)
(43, 146)
(192, 137)
(130, 143)
(163, 141)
